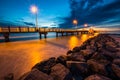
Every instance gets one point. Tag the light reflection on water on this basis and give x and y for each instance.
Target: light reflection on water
(19, 57)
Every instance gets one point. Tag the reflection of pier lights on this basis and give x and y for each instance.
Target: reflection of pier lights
(34, 10)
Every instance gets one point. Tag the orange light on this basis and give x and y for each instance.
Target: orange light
(75, 22)
(33, 9)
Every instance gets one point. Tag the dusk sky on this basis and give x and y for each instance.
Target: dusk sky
(54, 13)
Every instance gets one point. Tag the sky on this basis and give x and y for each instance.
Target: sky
(61, 13)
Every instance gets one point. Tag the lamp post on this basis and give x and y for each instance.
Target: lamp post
(34, 10)
(75, 22)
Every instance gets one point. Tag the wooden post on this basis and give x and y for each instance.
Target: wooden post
(8, 28)
(19, 29)
(62, 33)
(6, 37)
(66, 33)
(45, 35)
(56, 34)
(40, 35)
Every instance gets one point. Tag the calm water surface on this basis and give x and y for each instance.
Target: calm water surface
(19, 57)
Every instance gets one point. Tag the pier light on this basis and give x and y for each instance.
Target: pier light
(85, 25)
(34, 10)
(75, 22)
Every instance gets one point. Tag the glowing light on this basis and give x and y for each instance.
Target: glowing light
(34, 9)
(75, 22)
(85, 25)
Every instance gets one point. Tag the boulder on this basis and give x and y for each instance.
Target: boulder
(10, 76)
(76, 49)
(35, 74)
(60, 72)
(111, 48)
(62, 60)
(116, 70)
(45, 66)
(77, 57)
(116, 61)
(77, 67)
(97, 77)
(69, 52)
(97, 67)
(87, 53)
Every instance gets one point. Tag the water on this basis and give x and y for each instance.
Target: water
(26, 36)
(19, 57)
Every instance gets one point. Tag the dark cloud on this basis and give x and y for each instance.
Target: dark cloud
(92, 12)
(29, 23)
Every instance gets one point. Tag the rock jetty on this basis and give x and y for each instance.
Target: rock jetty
(98, 58)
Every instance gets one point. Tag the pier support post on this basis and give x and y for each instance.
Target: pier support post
(66, 33)
(62, 33)
(45, 35)
(6, 37)
(40, 35)
(56, 34)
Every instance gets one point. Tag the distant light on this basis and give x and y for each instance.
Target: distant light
(85, 25)
(34, 9)
(75, 22)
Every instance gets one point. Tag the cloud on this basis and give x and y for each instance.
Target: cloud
(29, 23)
(93, 12)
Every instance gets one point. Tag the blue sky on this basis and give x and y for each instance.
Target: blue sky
(18, 11)
(53, 13)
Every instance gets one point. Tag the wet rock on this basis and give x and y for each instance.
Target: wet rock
(35, 74)
(10, 76)
(97, 77)
(111, 48)
(76, 49)
(45, 66)
(79, 68)
(97, 67)
(116, 61)
(77, 57)
(62, 60)
(60, 72)
(69, 52)
(116, 70)
(100, 58)
(87, 53)
(109, 55)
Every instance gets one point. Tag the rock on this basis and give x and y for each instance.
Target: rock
(87, 53)
(60, 72)
(112, 44)
(111, 48)
(69, 52)
(10, 76)
(97, 77)
(117, 54)
(76, 67)
(45, 66)
(76, 49)
(116, 70)
(77, 57)
(100, 58)
(97, 67)
(116, 61)
(35, 74)
(109, 55)
(62, 60)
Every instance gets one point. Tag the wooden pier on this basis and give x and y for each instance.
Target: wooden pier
(6, 31)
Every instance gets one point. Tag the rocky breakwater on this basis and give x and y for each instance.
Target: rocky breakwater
(96, 59)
